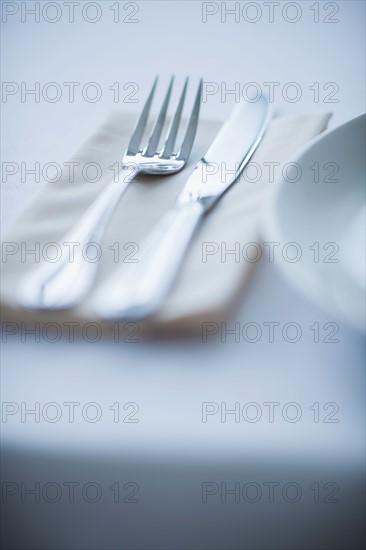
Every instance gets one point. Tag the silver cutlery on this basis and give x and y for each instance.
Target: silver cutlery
(136, 291)
(63, 284)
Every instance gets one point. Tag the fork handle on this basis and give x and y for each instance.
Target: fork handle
(135, 291)
(66, 282)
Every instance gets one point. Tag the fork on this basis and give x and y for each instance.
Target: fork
(65, 283)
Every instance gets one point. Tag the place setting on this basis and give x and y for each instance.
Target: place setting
(152, 244)
(183, 275)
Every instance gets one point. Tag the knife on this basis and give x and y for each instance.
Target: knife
(136, 291)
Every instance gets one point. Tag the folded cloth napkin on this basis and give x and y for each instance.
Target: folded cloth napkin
(210, 278)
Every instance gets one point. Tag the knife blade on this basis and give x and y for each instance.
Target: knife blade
(136, 291)
(228, 154)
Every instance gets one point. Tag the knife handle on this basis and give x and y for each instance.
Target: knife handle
(135, 291)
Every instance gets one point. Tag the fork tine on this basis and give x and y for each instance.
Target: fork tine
(191, 127)
(173, 130)
(156, 133)
(133, 146)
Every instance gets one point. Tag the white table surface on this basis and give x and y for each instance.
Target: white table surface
(170, 379)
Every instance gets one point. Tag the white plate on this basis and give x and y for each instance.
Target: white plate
(325, 205)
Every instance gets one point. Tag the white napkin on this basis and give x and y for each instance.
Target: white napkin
(204, 290)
